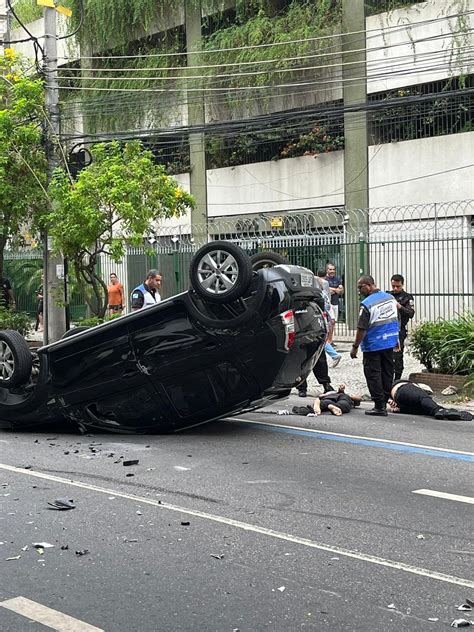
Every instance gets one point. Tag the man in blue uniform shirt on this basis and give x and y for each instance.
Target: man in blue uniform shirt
(146, 294)
(377, 335)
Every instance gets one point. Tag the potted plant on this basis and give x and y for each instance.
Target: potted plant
(446, 349)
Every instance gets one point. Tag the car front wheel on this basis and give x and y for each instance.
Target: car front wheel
(15, 359)
(220, 272)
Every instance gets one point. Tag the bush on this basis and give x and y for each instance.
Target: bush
(96, 320)
(19, 321)
(446, 346)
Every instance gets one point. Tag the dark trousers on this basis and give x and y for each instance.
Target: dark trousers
(378, 371)
(398, 355)
(341, 400)
(321, 373)
(413, 400)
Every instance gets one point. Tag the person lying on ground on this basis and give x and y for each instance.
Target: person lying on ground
(415, 399)
(336, 402)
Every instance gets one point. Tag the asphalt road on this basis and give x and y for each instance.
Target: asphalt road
(264, 522)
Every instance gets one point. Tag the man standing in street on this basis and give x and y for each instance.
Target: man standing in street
(406, 310)
(377, 335)
(146, 294)
(7, 298)
(337, 290)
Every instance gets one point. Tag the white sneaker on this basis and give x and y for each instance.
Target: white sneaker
(336, 361)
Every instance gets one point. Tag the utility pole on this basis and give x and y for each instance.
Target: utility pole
(356, 166)
(196, 116)
(53, 270)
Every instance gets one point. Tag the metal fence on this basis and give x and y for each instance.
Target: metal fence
(431, 245)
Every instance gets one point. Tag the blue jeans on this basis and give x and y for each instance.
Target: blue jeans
(332, 353)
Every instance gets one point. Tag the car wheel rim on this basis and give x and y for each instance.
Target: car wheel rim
(218, 272)
(7, 362)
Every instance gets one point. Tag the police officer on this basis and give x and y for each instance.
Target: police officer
(406, 310)
(146, 294)
(377, 335)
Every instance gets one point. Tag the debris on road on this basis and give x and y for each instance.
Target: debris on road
(132, 462)
(11, 559)
(433, 619)
(62, 504)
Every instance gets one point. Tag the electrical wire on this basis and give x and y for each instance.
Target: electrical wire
(284, 43)
(247, 88)
(431, 55)
(244, 125)
(325, 54)
(33, 38)
(81, 22)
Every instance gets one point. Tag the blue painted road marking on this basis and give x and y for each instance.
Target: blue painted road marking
(314, 434)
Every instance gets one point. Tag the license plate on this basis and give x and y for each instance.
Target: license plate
(307, 280)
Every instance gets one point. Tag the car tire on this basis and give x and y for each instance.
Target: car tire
(213, 281)
(267, 260)
(196, 314)
(74, 331)
(15, 359)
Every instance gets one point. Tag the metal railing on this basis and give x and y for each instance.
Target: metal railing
(431, 245)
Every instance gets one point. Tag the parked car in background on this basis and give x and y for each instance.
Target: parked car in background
(244, 334)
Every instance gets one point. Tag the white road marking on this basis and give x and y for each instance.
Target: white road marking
(47, 616)
(279, 535)
(349, 436)
(431, 492)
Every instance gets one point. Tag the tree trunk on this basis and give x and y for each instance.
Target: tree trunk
(93, 286)
(3, 243)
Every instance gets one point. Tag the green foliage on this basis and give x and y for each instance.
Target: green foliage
(19, 321)
(317, 141)
(114, 203)
(96, 320)
(446, 346)
(302, 20)
(27, 11)
(22, 158)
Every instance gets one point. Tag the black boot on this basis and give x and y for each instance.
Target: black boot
(379, 410)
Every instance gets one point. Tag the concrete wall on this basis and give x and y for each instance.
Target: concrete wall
(3, 23)
(392, 49)
(439, 169)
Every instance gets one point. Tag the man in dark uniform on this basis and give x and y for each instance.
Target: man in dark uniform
(377, 334)
(406, 310)
(7, 299)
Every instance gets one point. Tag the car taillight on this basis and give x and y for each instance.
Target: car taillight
(288, 320)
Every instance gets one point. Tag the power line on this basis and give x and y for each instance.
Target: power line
(402, 59)
(281, 43)
(324, 54)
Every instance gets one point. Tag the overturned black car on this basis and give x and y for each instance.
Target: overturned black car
(247, 332)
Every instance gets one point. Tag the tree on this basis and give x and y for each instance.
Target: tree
(112, 204)
(23, 166)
